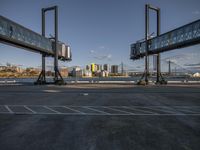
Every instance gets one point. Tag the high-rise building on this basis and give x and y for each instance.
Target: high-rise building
(93, 67)
(97, 67)
(101, 67)
(114, 69)
(106, 67)
(88, 67)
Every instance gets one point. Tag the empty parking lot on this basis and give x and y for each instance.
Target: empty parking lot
(100, 117)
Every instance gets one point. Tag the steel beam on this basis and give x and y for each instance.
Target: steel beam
(42, 77)
(49, 8)
(153, 7)
(158, 55)
(56, 43)
(146, 40)
(169, 68)
(43, 55)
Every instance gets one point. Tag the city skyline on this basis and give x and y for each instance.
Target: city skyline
(100, 31)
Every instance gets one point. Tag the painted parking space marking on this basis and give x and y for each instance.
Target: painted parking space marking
(108, 110)
(127, 109)
(74, 110)
(118, 110)
(187, 109)
(86, 110)
(19, 109)
(97, 110)
(166, 110)
(10, 111)
(41, 109)
(51, 109)
(160, 110)
(3, 109)
(100, 110)
(138, 110)
(29, 109)
(63, 109)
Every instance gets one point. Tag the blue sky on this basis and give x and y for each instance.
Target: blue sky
(99, 31)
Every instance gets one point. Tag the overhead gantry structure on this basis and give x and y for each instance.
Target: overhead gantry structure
(14, 34)
(181, 37)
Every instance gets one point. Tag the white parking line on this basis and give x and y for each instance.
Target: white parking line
(186, 106)
(139, 109)
(168, 110)
(119, 110)
(10, 111)
(186, 110)
(160, 109)
(73, 110)
(98, 114)
(57, 112)
(96, 110)
(151, 106)
(29, 109)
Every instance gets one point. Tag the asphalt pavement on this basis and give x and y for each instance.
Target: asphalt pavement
(99, 117)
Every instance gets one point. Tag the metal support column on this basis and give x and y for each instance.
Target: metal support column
(43, 55)
(169, 69)
(158, 55)
(57, 73)
(56, 45)
(146, 71)
(146, 39)
(158, 69)
(42, 77)
(57, 76)
(160, 79)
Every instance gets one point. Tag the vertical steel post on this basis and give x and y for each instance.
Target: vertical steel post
(146, 39)
(158, 55)
(43, 22)
(169, 67)
(43, 68)
(56, 43)
(42, 77)
(43, 56)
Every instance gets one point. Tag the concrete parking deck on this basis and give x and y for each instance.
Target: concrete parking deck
(92, 116)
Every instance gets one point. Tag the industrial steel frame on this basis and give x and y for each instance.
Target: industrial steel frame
(42, 77)
(149, 7)
(186, 35)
